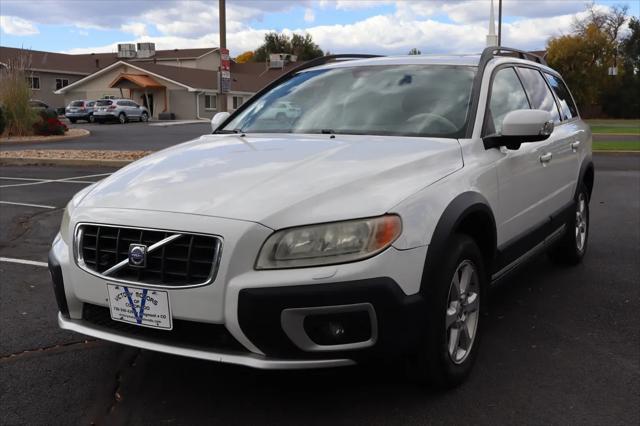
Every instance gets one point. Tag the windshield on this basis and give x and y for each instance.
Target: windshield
(405, 100)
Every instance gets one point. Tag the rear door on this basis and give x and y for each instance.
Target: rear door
(574, 132)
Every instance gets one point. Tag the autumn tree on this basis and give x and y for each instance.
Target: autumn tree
(583, 61)
(244, 57)
(585, 56)
(300, 45)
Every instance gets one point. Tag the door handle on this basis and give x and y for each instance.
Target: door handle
(575, 145)
(545, 158)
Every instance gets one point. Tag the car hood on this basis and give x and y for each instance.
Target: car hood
(280, 180)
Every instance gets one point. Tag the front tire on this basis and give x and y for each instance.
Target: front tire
(572, 247)
(92, 119)
(144, 117)
(72, 120)
(453, 318)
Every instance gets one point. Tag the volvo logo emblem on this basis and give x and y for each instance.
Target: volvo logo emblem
(137, 255)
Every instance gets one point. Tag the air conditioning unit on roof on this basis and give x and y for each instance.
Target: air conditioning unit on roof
(126, 50)
(146, 50)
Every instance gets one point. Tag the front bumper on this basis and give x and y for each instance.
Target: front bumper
(244, 307)
(247, 359)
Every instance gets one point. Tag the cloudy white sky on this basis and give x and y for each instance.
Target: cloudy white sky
(372, 26)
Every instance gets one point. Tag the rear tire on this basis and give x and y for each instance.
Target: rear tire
(122, 119)
(453, 319)
(72, 120)
(92, 119)
(572, 247)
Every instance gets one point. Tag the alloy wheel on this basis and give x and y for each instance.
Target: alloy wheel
(581, 222)
(463, 308)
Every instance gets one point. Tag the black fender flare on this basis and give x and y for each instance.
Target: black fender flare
(459, 208)
(585, 168)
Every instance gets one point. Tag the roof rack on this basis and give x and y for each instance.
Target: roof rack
(493, 51)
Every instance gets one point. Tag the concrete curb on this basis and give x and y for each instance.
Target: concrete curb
(34, 161)
(47, 139)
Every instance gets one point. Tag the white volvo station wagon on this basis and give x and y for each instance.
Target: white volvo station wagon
(369, 223)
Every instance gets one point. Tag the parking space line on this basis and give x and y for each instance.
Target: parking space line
(28, 205)
(23, 262)
(34, 181)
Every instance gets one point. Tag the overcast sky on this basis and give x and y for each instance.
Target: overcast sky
(341, 26)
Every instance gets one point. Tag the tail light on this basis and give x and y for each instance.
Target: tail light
(111, 108)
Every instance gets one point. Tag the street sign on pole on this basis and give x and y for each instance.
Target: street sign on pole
(225, 71)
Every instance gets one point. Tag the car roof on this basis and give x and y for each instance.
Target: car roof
(470, 60)
(459, 60)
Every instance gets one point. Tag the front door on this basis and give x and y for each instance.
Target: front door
(522, 173)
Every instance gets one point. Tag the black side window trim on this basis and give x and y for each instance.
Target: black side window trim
(483, 132)
(559, 77)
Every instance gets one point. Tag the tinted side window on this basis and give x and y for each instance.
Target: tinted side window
(539, 93)
(567, 106)
(507, 95)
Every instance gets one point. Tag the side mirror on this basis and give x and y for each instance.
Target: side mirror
(522, 125)
(218, 119)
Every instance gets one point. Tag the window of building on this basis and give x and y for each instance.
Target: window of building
(507, 94)
(34, 82)
(61, 82)
(210, 101)
(567, 106)
(237, 101)
(539, 93)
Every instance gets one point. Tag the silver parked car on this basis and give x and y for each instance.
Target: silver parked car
(80, 110)
(122, 110)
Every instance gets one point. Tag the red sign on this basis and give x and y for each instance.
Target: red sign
(225, 62)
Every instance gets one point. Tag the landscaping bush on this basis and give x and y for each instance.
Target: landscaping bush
(49, 126)
(14, 98)
(2, 121)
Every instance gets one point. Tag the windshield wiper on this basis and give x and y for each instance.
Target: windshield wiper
(226, 132)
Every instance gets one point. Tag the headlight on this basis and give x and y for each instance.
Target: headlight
(329, 243)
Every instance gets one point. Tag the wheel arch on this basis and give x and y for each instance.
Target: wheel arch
(468, 213)
(587, 175)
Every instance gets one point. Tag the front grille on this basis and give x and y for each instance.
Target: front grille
(184, 333)
(187, 260)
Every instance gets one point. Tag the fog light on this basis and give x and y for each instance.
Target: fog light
(338, 328)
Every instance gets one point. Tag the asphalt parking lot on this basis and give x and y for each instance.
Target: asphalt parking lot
(561, 345)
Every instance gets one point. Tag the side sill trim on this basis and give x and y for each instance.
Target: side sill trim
(528, 255)
(247, 360)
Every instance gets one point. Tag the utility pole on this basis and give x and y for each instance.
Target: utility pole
(222, 23)
(499, 23)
